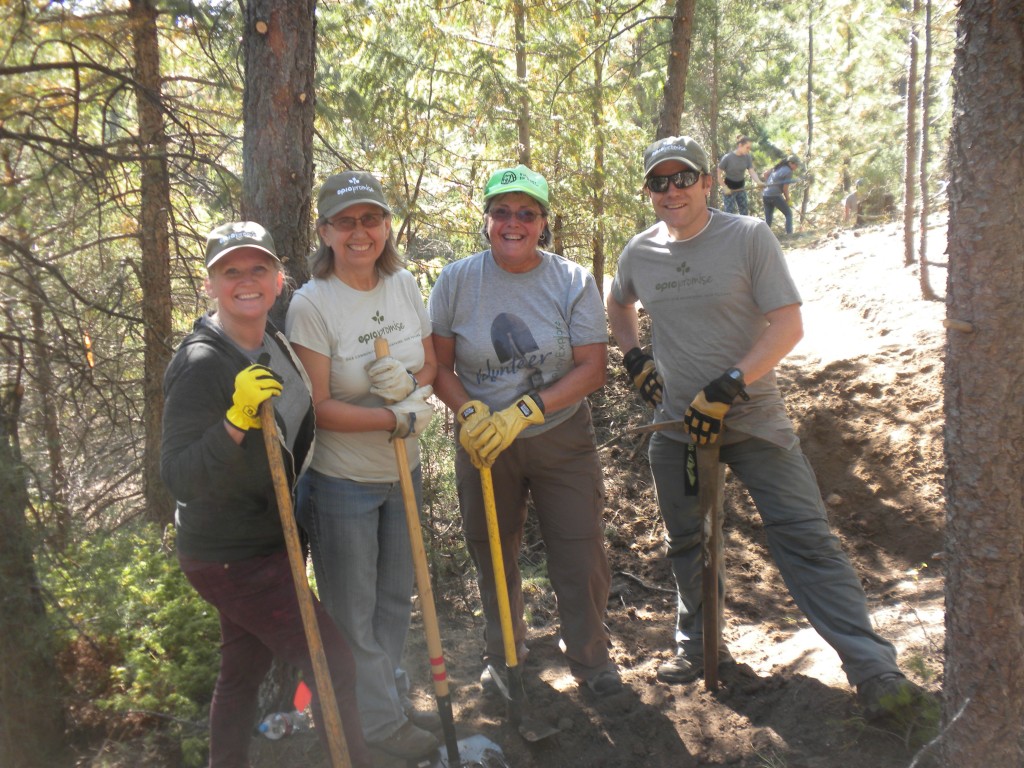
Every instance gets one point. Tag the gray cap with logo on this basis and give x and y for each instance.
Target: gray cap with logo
(238, 234)
(681, 148)
(343, 190)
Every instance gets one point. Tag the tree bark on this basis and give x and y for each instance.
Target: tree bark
(597, 121)
(671, 116)
(277, 147)
(154, 239)
(984, 405)
(910, 167)
(810, 113)
(523, 119)
(31, 714)
(926, 79)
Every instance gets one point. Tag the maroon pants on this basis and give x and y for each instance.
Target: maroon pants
(260, 619)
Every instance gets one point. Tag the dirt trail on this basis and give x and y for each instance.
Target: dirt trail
(864, 388)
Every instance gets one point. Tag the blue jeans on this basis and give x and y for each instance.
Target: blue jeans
(813, 565)
(260, 619)
(359, 542)
(771, 202)
(736, 203)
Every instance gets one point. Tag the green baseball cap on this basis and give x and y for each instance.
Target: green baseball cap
(518, 179)
(343, 190)
(238, 234)
(681, 148)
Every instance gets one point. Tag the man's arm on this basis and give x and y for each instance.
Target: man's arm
(785, 329)
(624, 322)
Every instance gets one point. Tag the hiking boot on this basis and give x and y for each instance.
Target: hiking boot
(686, 667)
(891, 697)
(428, 719)
(604, 683)
(407, 743)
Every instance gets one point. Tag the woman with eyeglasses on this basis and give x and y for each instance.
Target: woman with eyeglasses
(350, 501)
(521, 341)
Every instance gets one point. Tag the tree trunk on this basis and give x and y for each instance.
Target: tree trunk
(154, 240)
(910, 168)
(716, 143)
(678, 63)
(277, 148)
(597, 120)
(926, 286)
(810, 113)
(984, 405)
(31, 717)
(523, 120)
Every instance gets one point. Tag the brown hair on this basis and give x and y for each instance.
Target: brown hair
(321, 263)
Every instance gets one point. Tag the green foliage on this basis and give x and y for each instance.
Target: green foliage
(125, 591)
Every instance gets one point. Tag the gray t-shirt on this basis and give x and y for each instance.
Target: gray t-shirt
(514, 332)
(707, 298)
(736, 166)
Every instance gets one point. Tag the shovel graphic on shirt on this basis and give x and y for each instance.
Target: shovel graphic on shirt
(512, 340)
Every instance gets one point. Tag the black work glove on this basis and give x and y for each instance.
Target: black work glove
(645, 376)
(703, 419)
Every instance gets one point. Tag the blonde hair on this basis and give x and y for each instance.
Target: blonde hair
(321, 263)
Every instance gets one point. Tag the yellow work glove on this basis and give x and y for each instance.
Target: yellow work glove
(253, 385)
(644, 374)
(413, 414)
(501, 428)
(471, 415)
(703, 419)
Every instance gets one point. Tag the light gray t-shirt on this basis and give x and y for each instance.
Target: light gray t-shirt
(736, 166)
(514, 332)
(340, 322)
(707, 298)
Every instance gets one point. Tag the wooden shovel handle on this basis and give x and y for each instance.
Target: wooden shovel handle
(328, 704)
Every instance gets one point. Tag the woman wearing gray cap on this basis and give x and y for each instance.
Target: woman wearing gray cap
(229, 538)
(350, 501)
(521, 341)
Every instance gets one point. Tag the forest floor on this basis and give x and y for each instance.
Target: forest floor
(864, 389)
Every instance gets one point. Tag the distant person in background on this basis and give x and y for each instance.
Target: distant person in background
(732, 176)
(776, 191)
(851, 203)
(350, 500)
(230, 541)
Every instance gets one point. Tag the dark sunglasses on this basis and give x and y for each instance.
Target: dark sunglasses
(523, 215)
(348, 223)
(680, 180)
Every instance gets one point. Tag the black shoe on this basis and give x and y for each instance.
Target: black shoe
(604, 683)
(407, 743)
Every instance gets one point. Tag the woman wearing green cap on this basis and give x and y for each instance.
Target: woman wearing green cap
(521, 340)
(350, 500)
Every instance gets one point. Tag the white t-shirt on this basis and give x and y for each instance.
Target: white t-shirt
(331, 318)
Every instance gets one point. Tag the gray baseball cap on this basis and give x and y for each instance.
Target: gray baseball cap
(349, 188)
(681, 148)
(238, 234)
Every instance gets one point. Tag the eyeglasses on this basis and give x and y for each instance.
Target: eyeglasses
(680, 179)
(348, 223)
(523, 215)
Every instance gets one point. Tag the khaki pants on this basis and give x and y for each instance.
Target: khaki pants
(560, 470)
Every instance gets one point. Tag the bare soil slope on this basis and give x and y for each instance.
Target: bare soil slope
(864, 388)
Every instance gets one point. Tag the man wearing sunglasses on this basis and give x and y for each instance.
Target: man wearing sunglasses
(724, 311)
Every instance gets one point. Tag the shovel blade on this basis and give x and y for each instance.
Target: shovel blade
(514, 694)
(474, 752)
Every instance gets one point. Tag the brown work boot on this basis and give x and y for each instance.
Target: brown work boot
(408, 742)
(891, 699)
(686, 667)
